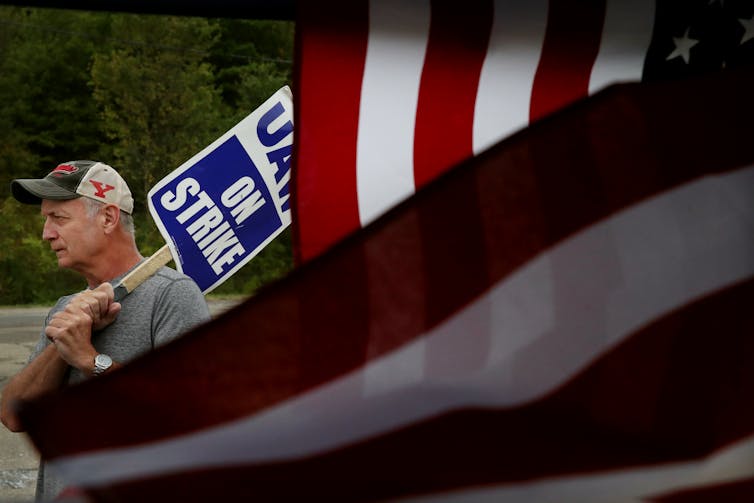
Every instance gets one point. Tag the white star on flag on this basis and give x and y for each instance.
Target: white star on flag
(683, 47)
(748, 25)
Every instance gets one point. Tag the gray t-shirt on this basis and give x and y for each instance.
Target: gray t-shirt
(165, 306)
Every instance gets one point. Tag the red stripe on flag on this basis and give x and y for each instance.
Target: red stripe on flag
(265, 352)
(331, 50)
(570, 48)
(458, 39)
(687, 396)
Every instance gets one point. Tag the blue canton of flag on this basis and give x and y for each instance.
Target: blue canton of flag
(700, 36)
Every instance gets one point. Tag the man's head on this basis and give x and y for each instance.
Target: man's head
(86, 206)
(74, 179)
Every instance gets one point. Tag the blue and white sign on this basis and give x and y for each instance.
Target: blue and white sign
(222, 206)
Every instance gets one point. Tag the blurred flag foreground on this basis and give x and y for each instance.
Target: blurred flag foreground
(565, 317)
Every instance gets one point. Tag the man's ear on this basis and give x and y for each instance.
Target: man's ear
(111, 214)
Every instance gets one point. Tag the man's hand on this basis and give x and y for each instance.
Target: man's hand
(71, 329)
(98, 304)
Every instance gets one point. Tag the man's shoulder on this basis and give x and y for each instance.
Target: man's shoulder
(167, 278)
(166, 286)
(174, 288)
(167, 275)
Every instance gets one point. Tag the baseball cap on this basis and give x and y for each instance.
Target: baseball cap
(73, 179)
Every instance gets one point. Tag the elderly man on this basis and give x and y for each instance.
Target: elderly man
(87, 209)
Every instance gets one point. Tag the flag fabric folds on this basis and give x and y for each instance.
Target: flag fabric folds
(391, 94)
(566, 316)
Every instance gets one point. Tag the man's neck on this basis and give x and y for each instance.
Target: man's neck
(116, 263)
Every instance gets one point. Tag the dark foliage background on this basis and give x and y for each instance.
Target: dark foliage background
(142, 93)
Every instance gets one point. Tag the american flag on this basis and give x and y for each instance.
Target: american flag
(564, 317)
(391, 93)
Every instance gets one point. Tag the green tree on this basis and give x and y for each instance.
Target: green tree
(46, 111)
(253, 59)
(157, 96)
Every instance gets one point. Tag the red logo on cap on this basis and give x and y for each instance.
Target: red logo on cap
(64, 169)
(101, 188)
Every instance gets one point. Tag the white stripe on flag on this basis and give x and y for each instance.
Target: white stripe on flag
(734, 463)
(625, 40)
(396, 48)
(504, 94)
(625, 272)
(397, 45)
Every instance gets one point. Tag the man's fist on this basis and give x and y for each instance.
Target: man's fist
(98, 304)
(71, 329)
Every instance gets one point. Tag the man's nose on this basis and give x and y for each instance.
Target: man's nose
(48, 233)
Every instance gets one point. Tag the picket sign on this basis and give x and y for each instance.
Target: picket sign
(220, 208)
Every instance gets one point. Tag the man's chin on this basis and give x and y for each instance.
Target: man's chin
(65, 261)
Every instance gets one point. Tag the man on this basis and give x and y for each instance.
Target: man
(87, 209)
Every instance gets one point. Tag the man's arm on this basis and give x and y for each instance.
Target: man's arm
(70, 332)
(43, 374)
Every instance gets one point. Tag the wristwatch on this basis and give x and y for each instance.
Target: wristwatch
(102, 362)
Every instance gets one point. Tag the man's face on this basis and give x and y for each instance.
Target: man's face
(74, 236)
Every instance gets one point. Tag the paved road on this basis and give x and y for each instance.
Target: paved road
(19, 330)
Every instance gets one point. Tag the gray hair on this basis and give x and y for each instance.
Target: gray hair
(92, 208)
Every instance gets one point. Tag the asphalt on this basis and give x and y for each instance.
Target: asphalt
(19, 330)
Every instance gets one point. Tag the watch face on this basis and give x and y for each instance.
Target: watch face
(103, 361)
